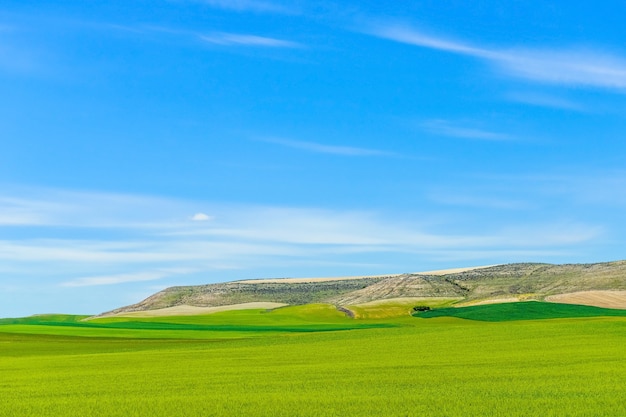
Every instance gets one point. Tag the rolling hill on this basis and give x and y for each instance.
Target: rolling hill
(600, 284)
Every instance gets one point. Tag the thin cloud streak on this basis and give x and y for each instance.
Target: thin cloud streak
(410, 36)
(236, 39)
(154, 32)
(574, 67)
(327, 149)
(460, 200)
(115, 279)
(590, 188)
(69, 251)
(16, 59)
(33, 206)
(16, 211)
(247, 6)
(447, 128)
(544, 100)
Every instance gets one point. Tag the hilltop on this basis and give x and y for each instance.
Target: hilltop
(600, 284)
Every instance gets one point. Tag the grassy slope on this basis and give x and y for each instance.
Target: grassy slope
(385, 309)
(228, 324)
(438, 367)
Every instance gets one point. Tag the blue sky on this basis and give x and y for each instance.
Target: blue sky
(145, 144)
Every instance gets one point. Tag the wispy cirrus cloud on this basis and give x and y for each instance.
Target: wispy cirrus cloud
(20, 211)
(215, 37)
(573, 66)
(463, 131)
(237, 39)
(122, 278)
(49, 207)
(248, 6)
(595, 188)
(19, 59)
(327, 149)
(545, 100)
(478, 201)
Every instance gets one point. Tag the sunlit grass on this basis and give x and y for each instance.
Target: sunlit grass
(398, 307)
(437, 367)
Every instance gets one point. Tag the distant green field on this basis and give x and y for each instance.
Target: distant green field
(530, 310)
(228, 324)
(446, 366)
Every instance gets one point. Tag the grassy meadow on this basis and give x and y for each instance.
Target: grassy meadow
(314, 361)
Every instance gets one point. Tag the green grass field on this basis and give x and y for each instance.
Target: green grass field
(272, 364)
(531, 310)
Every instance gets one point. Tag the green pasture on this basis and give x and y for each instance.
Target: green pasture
(228, 324)
(442, 366)
(529, 310)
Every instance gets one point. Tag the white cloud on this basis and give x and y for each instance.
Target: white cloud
(201, 217)
(448, 128)
(236, 39)
(576, 67)
(328, 149)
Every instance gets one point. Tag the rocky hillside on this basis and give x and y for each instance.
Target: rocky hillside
(214, 295)
(523, 280)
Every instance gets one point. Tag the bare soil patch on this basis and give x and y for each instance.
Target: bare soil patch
(490, 301)
(185, 310)
(606, 299)
(454, 270)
